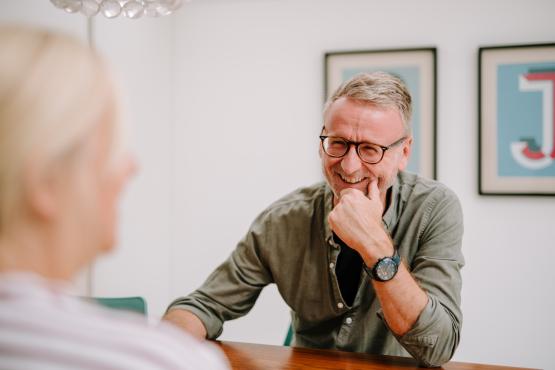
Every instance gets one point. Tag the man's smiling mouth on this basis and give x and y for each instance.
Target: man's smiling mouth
(352, 179)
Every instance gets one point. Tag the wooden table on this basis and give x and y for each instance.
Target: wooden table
(249, 356)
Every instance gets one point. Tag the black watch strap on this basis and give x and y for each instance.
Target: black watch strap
(393, 261)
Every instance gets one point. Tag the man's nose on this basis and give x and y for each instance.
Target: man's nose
(351, 162)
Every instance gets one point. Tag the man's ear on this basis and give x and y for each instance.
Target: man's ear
(320, 150)
(41, 191)
(405, 154)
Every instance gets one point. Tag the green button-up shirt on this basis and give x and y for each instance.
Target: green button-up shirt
(291, 244)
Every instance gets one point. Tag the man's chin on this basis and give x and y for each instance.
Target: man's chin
(361, 186)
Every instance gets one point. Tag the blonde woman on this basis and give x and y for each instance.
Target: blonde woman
(62, 168)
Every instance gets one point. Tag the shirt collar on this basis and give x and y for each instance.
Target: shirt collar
(328, 206)
(391, 215)
(28, 283)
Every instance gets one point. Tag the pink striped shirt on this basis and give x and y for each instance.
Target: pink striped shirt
(42, 327)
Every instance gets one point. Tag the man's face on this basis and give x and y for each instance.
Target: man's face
(358, 121)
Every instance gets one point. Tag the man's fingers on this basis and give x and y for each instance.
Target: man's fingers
(347, 191)
(373, 190)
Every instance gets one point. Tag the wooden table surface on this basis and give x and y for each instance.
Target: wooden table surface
(248, 356)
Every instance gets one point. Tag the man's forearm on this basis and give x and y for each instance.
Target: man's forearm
(402, 300)
(187, 321)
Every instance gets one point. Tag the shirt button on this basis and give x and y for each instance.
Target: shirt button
(349, 321)
(332, 265)
(340, 305)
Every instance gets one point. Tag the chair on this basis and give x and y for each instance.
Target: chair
(289, 336)
(134, 304)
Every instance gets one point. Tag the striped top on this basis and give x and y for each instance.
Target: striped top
(42, 327)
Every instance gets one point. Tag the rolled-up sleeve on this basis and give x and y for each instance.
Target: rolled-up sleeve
(436, 267)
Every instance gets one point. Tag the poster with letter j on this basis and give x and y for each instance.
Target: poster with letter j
(516, 120)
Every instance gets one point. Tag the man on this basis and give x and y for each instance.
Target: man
(368, 261)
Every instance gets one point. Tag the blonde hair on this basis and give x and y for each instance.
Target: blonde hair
(53, 91)
(379, 88)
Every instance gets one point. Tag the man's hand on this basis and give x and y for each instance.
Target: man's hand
(187, 321)
(357, 220)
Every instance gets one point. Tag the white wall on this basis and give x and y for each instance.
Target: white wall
(215, 90)
(141, 55)
(41, 13)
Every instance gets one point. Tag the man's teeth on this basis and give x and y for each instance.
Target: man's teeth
(352, 180)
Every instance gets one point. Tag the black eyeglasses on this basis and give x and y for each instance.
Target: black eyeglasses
(370, 153)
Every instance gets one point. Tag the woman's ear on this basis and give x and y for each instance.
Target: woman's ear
(41, 191)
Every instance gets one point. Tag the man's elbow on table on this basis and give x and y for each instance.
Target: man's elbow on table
(187, 321)
(435, 351)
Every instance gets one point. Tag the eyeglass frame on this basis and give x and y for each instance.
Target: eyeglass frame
(357, 144)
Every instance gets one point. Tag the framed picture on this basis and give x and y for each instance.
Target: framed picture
(516, 120)
(417, 68)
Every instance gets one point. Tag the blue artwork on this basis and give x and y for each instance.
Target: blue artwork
(525, 120)
(411, 77)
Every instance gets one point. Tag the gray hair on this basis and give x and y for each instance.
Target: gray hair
(54, 91)
(379, 88)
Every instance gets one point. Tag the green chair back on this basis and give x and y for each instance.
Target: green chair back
(134, 304)
(288, 337)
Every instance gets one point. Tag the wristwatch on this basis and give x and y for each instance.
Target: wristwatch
(385, 269)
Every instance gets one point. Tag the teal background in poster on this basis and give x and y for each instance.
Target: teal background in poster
(519, 115)
(411, 77)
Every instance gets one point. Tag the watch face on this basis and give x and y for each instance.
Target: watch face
(385, 269)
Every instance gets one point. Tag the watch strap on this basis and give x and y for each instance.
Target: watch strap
(370, 271)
